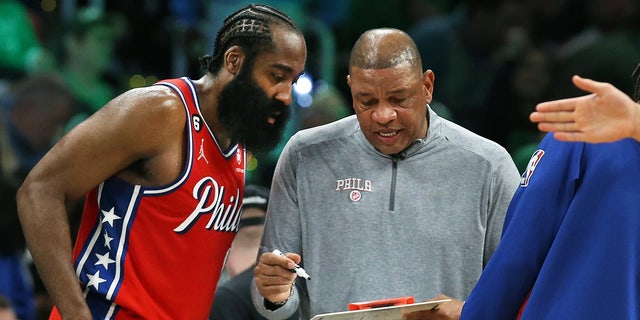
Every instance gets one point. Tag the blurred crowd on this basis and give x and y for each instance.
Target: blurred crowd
(60, 61)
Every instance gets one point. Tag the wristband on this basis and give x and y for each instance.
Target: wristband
(273, 306)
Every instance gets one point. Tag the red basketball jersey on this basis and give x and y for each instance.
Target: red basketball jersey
(157, 253)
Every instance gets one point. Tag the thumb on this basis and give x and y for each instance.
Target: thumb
(587, 85)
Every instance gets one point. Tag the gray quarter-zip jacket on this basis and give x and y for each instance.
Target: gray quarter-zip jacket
(372, 226)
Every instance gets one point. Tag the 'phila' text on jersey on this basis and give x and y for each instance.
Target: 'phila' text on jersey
(210, 196)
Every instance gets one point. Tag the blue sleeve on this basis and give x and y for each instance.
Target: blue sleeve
(16, 285)
(534, 215)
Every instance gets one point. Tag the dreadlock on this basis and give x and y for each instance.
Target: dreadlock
(636, 86)
(249, 28)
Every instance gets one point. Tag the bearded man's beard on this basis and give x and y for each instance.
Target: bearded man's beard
(244, 109)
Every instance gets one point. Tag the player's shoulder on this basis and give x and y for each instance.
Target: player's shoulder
(151, 100)
(154, 93)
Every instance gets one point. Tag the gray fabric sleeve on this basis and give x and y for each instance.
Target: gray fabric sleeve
(282, 219)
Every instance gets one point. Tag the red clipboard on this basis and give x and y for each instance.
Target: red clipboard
(393, 312)
(381, 303)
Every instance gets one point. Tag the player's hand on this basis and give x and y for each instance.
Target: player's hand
(605, 115)
(273, 275)
(445, 311)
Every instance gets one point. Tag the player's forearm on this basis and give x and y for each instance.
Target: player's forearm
(46, 228)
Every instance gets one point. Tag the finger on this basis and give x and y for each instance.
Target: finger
(267, 289)
(569, 136)
(276, 272)
(552, 117)
(288, 261)
(557, 105)
(293, 256)
(557, 127)
(274, 284)
(588, 85)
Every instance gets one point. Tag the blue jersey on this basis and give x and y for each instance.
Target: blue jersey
(570, 247)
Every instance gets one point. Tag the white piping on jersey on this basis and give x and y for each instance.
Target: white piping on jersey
(229, 152)
(123, 238)
(185, 173)
(94, 238)
(112, 309)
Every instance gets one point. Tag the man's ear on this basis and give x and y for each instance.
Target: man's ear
(349, 80)
(428, 79)
(233, 59)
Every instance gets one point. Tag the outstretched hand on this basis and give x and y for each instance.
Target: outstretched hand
(605, 115)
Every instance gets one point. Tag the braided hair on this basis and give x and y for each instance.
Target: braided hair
(249, 28)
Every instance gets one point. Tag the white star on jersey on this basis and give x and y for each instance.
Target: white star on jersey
(104, 260)
(107, 240)
(95, 280)
(109, 216)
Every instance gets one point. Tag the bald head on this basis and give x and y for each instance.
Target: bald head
(384, 48)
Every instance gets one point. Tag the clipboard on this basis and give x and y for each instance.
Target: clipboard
(393, 312)
(381, 303)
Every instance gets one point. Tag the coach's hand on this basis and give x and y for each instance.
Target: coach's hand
(445, 311)
(273, 275)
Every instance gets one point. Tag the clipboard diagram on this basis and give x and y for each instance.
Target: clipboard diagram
(393, 312)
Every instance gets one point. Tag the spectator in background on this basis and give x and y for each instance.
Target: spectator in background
(21, 50)
(468, 50)
(552, 23)
(606, 48)
(34, 114)
(328, 105)
(527, 80)
(88, 59)
(233, 297)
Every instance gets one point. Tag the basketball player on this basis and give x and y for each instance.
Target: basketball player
(164, 168)
(570, 239)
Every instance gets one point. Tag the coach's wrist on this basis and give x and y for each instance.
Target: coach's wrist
(272, 306)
